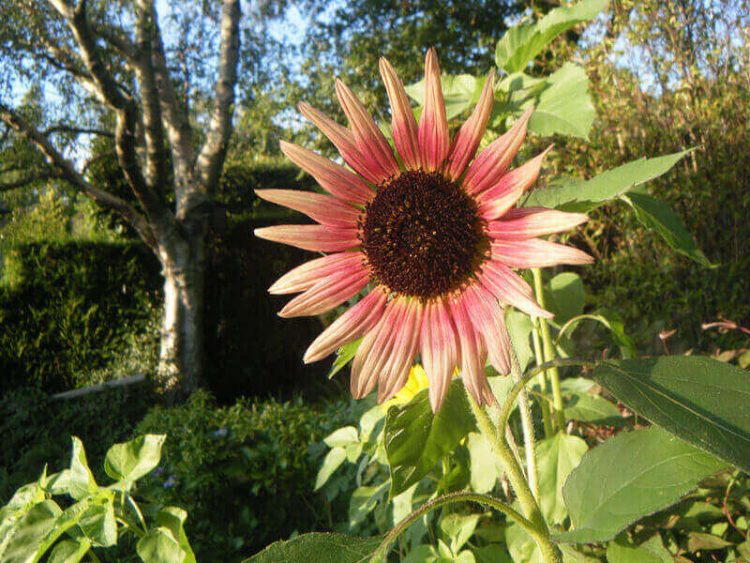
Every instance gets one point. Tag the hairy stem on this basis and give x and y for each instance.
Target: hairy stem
(549, 352)
(550, 552)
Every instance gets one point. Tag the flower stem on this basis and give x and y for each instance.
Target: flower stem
(511, 466)
(550, 553)
(527, 424)
(549, 352)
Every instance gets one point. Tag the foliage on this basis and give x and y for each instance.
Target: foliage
(57, 314)
(93, 516)
(36, 428)
(244, 472)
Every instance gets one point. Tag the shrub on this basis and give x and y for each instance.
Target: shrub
(244, 472)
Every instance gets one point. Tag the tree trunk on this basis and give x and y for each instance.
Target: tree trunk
(181, 355)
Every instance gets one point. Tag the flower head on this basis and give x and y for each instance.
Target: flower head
(435, 233)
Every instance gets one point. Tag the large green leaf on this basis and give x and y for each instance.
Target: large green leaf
(460, 92)
(132, 460)
(318, 547)
(566, 296)
(159, 545)
(173, 518)
(699, 399)
(585, 195)
(650, 551)
(556, 458)
(628, 477)
(485, 465)
(565, 106)
(98, 523)
(29, 532)
(415, 439)
(658, 216)
(522, 43)
(69, 551)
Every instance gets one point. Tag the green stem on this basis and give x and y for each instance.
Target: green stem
(511, 466)
(549, 352)
(550, 553)
(515, 391)
(543, 405)
(527, 424)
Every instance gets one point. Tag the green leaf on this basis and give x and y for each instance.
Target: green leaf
(159, 545)
(657, 215)
(81, 481)
(331, 463)
(612, 322)
(319, 547)
(556, 458)
(460, 92)
(585, 195)
(592, 408)
(132, 460)
(173, 518)
(344, 355)
(650, 551)
(564, 107)
(699, 399)
(69, 551)
(492, 553)
(567, 296)
(415, 439)
(700, 541)
(628, 477)
(29, 532)
(363, 501)
(99, 525)
(522, 43)
(485, 466)
(342, 437)
(458, 528)
(519, 328)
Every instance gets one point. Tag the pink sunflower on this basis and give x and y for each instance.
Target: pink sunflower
(431, 228)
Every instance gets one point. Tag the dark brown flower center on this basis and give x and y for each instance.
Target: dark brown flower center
(422, 235)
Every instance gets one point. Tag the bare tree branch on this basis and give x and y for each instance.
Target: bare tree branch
(66, 171)
(175, 120)
(62, 128)
(156, 153)
(212, 154)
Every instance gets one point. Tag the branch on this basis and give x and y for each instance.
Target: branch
(65, 170)
(212, 155)
(156, 154)
(61, 128)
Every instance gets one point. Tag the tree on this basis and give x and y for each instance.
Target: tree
(115, 68)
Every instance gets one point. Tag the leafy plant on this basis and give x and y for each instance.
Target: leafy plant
(91, 516)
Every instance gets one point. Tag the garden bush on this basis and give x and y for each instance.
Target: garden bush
(244, 472)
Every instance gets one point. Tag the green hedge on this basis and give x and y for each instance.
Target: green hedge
(75, 309)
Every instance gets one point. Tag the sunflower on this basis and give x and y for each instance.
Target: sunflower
(430, 229)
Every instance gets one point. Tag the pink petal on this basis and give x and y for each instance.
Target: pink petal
(497, 200)
(370, 139)
(488, 319)
(328, 293)
(308, 274)
(347, 144)
(473, 353)
(530, 222)
(490, 164)
(324, 209)
(439, 350)
(403, 124)
(348, 327)
(375, 350)
(470, 135)
(434, 137)
(311, 237)
(509, 287)
(537, 253)
(395, 372)
(335, 179)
